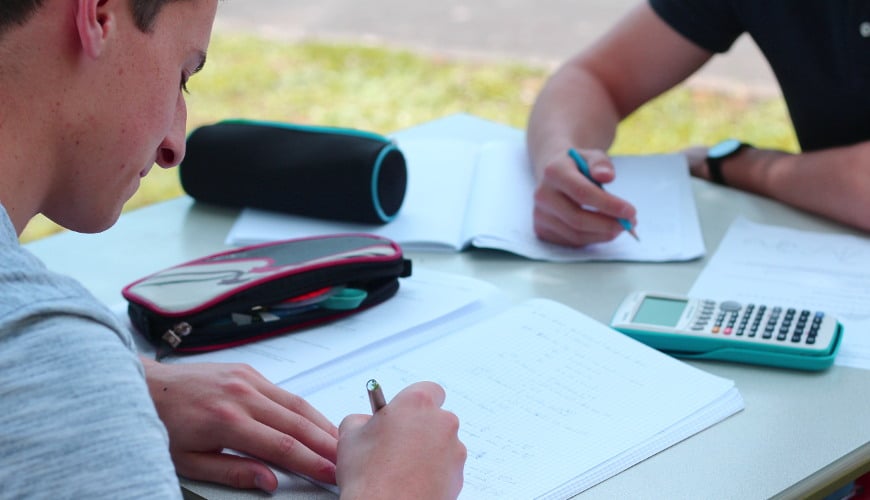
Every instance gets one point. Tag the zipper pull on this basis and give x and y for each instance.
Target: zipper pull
(174, 335)
(172, 338)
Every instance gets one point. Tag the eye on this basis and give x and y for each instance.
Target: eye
(186, 74)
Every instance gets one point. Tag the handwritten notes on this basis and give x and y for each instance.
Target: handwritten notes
(546, 397)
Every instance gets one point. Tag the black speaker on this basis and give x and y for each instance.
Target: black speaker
(324, 172)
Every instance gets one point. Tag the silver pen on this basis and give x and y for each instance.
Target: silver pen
(376, 395)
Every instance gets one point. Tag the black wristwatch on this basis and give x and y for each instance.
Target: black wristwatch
(718, 153)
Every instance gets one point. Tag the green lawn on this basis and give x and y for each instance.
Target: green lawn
(383, 90)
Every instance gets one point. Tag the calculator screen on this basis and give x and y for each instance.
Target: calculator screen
(659, 311)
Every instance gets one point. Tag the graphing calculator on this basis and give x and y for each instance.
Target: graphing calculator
(696, 328)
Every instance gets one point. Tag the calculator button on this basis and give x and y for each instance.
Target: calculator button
(729, 305)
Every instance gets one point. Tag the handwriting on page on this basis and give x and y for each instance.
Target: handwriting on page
(543, 394)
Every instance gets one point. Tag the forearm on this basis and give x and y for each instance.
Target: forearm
(834, 183)
(574, 109)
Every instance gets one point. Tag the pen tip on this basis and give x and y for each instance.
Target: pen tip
(634, 235)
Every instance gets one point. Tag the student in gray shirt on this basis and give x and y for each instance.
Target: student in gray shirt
(91, 96)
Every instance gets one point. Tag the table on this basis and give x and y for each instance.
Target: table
(802, 435)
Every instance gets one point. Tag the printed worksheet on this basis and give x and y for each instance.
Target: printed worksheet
(818, 271)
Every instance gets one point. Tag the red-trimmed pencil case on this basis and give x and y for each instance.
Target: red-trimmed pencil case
(259, 291)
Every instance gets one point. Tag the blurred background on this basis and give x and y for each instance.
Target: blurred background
(384, 65)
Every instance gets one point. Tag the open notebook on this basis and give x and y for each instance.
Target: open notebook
(470, 185)
(550, 401)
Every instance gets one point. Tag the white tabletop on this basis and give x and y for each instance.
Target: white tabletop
(800, 433)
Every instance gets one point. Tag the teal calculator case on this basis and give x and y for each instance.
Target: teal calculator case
(713, 349)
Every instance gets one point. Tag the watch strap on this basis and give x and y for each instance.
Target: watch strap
(714, 162)
(714, 167)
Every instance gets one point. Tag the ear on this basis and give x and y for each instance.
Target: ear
(94, 21)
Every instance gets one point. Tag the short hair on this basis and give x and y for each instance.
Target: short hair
(19, 11)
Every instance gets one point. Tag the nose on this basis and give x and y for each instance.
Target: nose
(171, 149)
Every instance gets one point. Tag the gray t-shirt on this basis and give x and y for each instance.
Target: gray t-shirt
(76, 418)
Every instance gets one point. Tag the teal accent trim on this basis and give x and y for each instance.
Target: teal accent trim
(376, 173)
(312, 128)
(770, 355)
(347, 299)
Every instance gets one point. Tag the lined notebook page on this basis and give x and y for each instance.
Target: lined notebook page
(550, 401)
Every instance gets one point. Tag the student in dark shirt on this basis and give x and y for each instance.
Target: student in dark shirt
(820, 54)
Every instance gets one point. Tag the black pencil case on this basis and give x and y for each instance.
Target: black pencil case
(255, 292)
(323, 172)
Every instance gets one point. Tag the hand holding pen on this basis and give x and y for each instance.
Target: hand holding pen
(584, 169)
(409, 448)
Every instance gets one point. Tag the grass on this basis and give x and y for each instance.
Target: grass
(384, 90)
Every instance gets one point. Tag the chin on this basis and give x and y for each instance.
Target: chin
(88, 223)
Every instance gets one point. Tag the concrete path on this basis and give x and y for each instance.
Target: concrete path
(537, 31)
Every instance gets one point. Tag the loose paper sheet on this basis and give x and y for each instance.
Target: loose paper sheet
(777, 265)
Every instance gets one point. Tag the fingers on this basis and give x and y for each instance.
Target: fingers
(230, 470)
(421, 393)
(291, 442)
(285, 430)
(571, 210)
(298, 406)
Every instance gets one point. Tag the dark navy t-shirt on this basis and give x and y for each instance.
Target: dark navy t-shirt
(819, 51)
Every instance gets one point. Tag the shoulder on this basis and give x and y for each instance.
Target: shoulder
(714, 25)
(76, 404)
(29, 290)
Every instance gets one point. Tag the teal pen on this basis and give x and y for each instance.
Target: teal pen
(584, 169)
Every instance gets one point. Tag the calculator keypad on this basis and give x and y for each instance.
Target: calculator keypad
(775, 324)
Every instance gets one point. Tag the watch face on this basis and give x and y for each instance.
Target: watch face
(723, 148)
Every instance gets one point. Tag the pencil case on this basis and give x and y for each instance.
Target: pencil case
(323, 172)
(259, 291)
